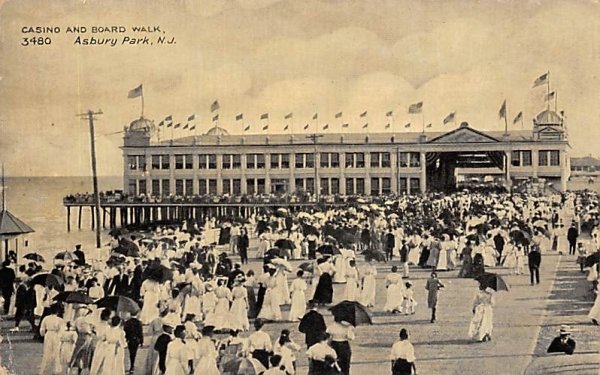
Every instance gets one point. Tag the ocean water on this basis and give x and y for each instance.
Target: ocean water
(37, 201)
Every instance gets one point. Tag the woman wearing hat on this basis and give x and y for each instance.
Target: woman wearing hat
(324, 290)
(342, 333)
(298, 291)
(239, 306)
(481, 325)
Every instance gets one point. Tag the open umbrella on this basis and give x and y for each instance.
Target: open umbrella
(328, 249)
(352, 312)
(73, 297)
(48, 279)
(284, 243)
(66, 256)
(275, 252)
(494, 281)
(590, 260)
(243, 366)
(160, 274)
(119, 304)
(282, 263)
(307, 267)
(34, 257)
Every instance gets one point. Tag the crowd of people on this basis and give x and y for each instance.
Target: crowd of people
(198, 305)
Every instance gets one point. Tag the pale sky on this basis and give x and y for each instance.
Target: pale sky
(269, 56)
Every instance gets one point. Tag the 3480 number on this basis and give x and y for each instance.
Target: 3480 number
(36, 41)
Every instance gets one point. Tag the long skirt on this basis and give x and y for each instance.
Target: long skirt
(252, 304)
(298, 307)
(324, 290)
(482, 322)
(466, 270)
(595, 311)
(402, 367)
(260, 298)
(83, 352)
(262, 356)
(344, 354)
(424, 257)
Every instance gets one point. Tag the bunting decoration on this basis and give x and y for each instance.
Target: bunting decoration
(338, 115)
(286, 127)
(192, 118)
(264, 116)
(550, 96)
(315, 116)
(449, 118)
(177, 125)
(288, 116)
(247, 128)
(326, 126)
(186, 126)
(345, 125)
(364, 114)
(169, 118)
(389, 113)
(193, 127)
(239, 117)
(161, 123)
(365, 125)
(387, 126)
(265, 127)
(407, 125)
(428, 125)
(305, 126)
(215, 106)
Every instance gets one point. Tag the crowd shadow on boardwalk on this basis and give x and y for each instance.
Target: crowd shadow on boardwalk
(568, 303)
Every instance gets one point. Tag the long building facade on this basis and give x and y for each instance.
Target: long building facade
(218, 163)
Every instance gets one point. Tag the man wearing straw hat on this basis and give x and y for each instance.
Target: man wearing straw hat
(563, 343)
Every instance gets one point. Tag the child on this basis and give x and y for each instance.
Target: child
(408, 304)
(519, 264)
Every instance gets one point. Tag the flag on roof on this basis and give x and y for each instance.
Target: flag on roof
(345, 125)
(265, 127)
(264, 116)
(449, 118)
(193, 127)
(177, 125)
(326, 126)
(338, 115)
(363, 114)
(541, 80)
(365, 125)
(285, 127)
(186, 126)
(518, 118)
(239, 117)
(161, 123)
(247, 128)
(502, 112)
(305, 126)
(387, 126)
(315, 116)
(192, 118)
(416, 108)
(215, 117)
(407, 125)
(215, 106)
(288, 116)
(135, 92)
(169, 118)
(389, 113)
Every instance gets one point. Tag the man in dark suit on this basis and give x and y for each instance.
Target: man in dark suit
(119, 285)
(535, 260)
(390, 243)
(572, 235)
(134, 336)
(312, 325)
(80, 261)
(7, 284)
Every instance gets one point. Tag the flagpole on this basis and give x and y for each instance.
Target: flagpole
(423, 120)
(555, 101)
(142, 101)
(548, 90)
(505, 124)
(392, 123)
(3, 190)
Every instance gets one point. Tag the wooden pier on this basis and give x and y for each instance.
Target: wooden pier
(121, 214)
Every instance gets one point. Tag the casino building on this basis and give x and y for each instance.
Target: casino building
(219, 163)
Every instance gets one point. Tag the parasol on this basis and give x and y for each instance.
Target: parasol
(73, 297)
(243, 366)
(275, 252)
(34, 257)
(307, 267)
(67, 256)
(352, 312)
(590, 260)
(48, 280)
(283, 263)
(119, 304)
(494, 281)
(284, 243)
(328, 249)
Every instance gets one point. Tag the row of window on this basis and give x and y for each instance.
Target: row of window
(329, 185)
(277, 161)
(522, 158)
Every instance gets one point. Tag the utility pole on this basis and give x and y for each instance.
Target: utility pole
(90, 117)
(315, 138)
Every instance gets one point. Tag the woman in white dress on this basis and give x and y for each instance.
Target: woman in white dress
(221, 315)
(192, 303)
(394, 292)
(150, 292)
(51, 329)
(109, 357)
(352, 291)
(442, 263)
(369, 288)
(239, 306)
(178, 354)
(482, 322)
(340, 263)
(271, 309)
(206, 354)
(298, 297)
(282, 286)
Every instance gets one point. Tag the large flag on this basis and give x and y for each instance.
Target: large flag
(288, 116)
(264, 116)
(345, 125)
(216, 117)
(389, 113)
(502, 112)
(135, 92)
(550, 96)
(192, 118)
(518, 117)
(247, 128)
(215, 106)
(407, 125)
(315, 116)
(169, 118)
(541, 80)
(449, 118)
(239, 117)
(416, 108)
(364, 114)
(305, 126)
(338, 115)
(326, 126)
